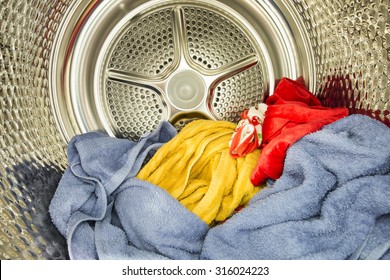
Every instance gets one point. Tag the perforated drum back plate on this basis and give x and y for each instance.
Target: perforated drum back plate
(155, 47)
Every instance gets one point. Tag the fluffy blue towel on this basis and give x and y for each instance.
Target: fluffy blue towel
(106, 213)
(332, 201)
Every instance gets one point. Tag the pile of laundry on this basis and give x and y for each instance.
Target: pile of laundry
(293, 180)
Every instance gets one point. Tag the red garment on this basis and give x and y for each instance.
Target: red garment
(293, 112)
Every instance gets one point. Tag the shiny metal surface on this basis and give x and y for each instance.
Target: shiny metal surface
(56, 79)
(129, 51)
(350, 40)
(32, 152)
(153, 48)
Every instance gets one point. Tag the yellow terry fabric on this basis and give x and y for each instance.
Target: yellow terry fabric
(195, 167)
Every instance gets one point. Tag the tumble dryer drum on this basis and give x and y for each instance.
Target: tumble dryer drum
(70, 67)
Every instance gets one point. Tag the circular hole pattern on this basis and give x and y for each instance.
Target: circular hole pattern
(351, 44)
(238, 93)
(30, 142)
(146, 45)
(179, 125)
(133, 110)
(214, 40)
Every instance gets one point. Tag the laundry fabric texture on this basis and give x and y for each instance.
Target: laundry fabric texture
(332, 202)
(292, 113)
(104, 212)
(196, 169)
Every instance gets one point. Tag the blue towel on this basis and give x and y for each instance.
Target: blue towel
(377, 244)
(332, 201)
(106, 213)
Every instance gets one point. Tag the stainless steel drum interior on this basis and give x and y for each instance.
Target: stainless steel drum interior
(69, 67)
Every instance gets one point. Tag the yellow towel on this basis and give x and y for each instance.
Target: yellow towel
(195, 167)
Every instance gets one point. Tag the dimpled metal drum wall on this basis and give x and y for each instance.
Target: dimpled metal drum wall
(69, 67)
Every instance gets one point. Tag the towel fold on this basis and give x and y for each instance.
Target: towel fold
(195, 168)
(332, 201)
(292, 113)
(104, 212)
